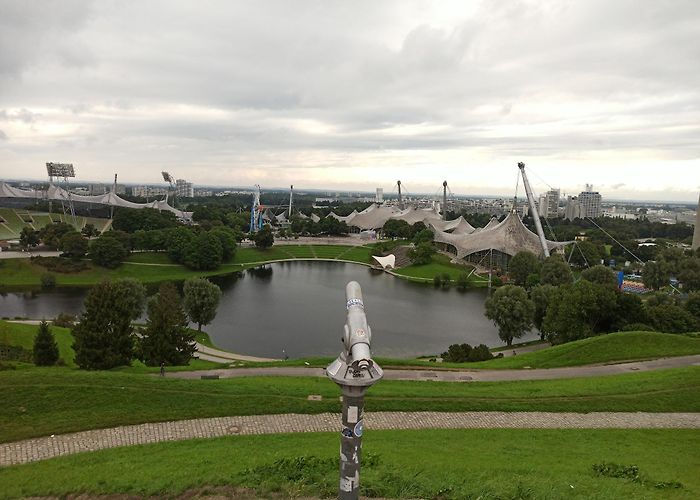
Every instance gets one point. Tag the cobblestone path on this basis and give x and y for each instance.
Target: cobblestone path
(32, 450)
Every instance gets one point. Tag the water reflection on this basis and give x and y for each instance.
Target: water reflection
(299, 308)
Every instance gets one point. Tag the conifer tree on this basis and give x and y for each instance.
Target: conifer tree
(166, 338)
(104, 337)
(45, 347)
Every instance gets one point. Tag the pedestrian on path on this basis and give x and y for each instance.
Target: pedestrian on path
(162, 369)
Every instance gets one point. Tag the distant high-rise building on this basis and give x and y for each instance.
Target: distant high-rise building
(120, 189)
(148, 191)
(696, 232)
(96, 189)
(573, 208)
(380, 195)
(548, 204)
(590, 202)
(184, 189)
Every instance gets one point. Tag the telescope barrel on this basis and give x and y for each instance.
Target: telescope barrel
(357, 332)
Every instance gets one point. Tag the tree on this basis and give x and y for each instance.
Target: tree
(555, 271)
(395, 228)
(131, 220)
(227, 238)
(655, 275)
(28, 237)
(166, 338)
(103, 338)
(670, 318)
(89, 230)
(689, 274)
(672, 258)
(540, 296)
(51, 234)
(463, 281)
(522, 265)
(178, 241)
(630, 309)
(201, 300)
(204, 252)
(511, 311)
(585, 253)
(692, 305)
(601, 275)
(264, 238)
(422, 253)
(45, 348)
(107, 252)
(423, 236)
(577, 311)
(74, 245)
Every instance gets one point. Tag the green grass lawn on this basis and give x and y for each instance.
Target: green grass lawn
(43, 401)
(444, 464)
(439, 266)
(613, 347)
(23, 273)
(23, 336)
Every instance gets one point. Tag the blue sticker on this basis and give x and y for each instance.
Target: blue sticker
(346, 432)
(358, 429)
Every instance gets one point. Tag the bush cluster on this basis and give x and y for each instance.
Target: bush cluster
(60, 265)
(463, 353)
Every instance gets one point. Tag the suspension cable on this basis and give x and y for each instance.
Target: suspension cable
(611, 237)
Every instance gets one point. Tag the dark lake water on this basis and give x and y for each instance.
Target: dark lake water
(299, 307)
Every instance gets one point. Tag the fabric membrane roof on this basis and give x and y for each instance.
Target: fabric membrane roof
(509, 236)
(111, 199)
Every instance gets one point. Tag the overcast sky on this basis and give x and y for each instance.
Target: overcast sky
(356, 94)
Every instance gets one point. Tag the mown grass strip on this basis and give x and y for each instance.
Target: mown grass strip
(43, 401)
(474, 463)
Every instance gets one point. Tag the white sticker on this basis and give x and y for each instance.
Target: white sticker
(345, 484)
(352, 414)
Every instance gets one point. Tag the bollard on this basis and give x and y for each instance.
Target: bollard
(354, 371)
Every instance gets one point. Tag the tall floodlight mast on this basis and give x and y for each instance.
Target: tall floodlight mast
(291, 193)
(444, 200)
(533, 210)
(170, 180)
(63, 171)
(398, 183)
(114, 192)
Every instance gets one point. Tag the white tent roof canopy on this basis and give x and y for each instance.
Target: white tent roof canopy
(111, 199)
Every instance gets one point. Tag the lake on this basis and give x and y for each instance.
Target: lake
(298, 309)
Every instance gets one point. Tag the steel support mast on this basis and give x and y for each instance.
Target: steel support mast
(398, 183)
(444, 200)
(533, 210)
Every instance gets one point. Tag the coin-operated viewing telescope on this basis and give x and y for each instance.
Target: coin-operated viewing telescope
(354, 371)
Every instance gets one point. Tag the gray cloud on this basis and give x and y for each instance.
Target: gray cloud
(221, 85)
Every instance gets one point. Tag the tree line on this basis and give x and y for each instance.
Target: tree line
(545, 296)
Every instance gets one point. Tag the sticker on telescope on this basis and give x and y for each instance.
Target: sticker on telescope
(346, 432)
(355, 302)
(358, 429)
(360, 332)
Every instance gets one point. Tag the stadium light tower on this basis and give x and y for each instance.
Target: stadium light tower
(63, 171)
(170, 180)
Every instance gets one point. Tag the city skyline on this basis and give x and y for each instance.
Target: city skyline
(352, 97)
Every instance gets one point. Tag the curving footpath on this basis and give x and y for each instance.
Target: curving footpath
(32, 450)
(461, 375)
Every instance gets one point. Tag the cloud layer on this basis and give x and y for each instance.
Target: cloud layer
(356, 94)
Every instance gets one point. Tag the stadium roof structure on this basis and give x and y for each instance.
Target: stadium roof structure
(509, 237)
(111, 199)
(375, 216)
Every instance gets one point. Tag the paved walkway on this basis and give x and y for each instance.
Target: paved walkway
(461, 375)
(32, 450)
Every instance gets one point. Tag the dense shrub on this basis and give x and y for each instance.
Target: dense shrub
(65, 320)
(671, 319)
(462, 353)
(60, 265)
(48, 280)
(637, 327)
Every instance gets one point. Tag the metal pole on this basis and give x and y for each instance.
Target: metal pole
(444, 200)
(533, 210)
(354, 371)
